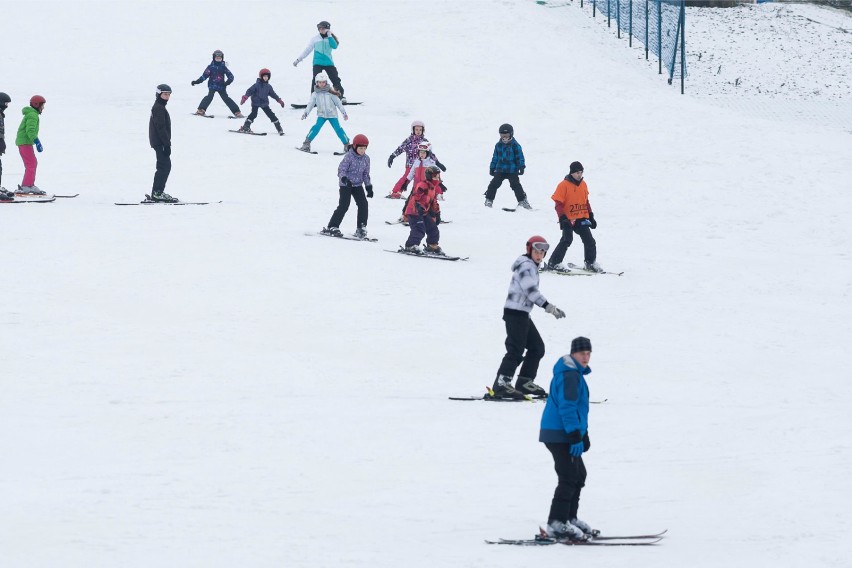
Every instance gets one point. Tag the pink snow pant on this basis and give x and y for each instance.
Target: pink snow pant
(30, 164)
(402, 181)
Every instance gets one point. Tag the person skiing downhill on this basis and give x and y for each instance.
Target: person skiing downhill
(575, 215)
(353, 175)
(521, 333)
(507, 163)
(160, 138)
(410, 146)
(27, 139)
(4, 102)
(322, 44)
(218, 78)
(327, 104)
(260, 93)
(565, 433)
(422, 211)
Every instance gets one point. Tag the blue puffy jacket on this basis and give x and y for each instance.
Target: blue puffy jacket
(216, 75)
(508, 158)
(260, 93)
(565, 419)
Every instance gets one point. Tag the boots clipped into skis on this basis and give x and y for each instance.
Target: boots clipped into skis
(306, 145)
(503, 388)
(246, 127)
(278, 128)
(526, 386)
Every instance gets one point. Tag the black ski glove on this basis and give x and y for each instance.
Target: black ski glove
(592, 223)
(345, 181)
(443, 187)
(441, 166)
(194, 83)
(491, 172)
(390, 160)
(370, 191)
(564, 223)
(2, 146)
(419, 208)
(521, 171)
(228, 82)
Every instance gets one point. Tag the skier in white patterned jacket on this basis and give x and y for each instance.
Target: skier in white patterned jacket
(521, 333)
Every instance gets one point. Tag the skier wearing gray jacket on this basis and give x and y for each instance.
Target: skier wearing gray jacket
(521, 333)
(327, 104)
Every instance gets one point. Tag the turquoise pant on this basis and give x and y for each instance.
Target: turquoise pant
(334, 124)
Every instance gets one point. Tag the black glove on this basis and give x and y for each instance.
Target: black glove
(345, 181)
(419, 208)
(167, 150)
(441, 166)
(194, 83)
(586, 442)
(491, 172)
(443, 187)
(228, 82)
(390, 160)
(370, 191)
(564, 223)
(2, 146)
(592, 223)
(521, 171)
(438, 218)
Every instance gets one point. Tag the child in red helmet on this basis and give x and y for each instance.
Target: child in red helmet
(260, 93)
(524, 345)
(26, 139)
(422, 211)
(353, 174)
(218, 78)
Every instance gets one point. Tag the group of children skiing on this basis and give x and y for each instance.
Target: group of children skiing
(27, 142)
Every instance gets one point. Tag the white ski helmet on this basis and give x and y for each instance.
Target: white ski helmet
(321, 76)
(424, 146)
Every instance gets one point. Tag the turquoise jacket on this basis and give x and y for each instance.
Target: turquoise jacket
(565, 419)
(28, 130)
(321, 47)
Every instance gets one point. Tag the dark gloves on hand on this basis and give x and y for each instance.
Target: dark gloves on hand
(228, 82)
(564, 223)
(390, 160)
(491, 172)
(521, 171)
(419, 208)
(441, 166)
(592, 223)
(38, 145)
(2, 146)
(345, 181)
(370, 191)
(196, 82)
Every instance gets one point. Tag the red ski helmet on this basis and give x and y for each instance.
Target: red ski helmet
(263, 72)
(37, 100)
(538, 243)
(360, 140)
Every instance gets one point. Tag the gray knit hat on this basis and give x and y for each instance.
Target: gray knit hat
(581, 344)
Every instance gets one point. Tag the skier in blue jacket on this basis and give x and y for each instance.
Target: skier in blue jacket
(321, 45)
(218, 78)
(507, 163)
(565, 433)
(260, 94)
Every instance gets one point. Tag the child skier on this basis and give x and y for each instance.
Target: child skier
(260, 93)
(507, 163)
(409, 146)
(422, 212)
(353, 174)
(322, 44)
(424, 159)
(521, 333)
(575, 215)
(327, 104)
(216, 74)
(4, 102)
(565, 433)
(26, 139)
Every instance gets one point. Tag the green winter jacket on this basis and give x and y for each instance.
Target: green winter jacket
(28, 130)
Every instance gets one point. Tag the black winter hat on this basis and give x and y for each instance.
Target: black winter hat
(581, 344)
(576, 167)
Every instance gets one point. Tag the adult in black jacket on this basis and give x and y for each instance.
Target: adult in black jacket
(160, 136)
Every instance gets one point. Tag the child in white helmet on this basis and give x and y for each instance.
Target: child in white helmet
(409, 146)
(327, 104)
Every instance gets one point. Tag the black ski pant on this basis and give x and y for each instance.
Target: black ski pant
(590, 250)
(347, 194)
(1, 172)
(514, 183)
(205, 102)
(521, 334)
(268, 111)
(331, 71)
(420, 226)
(571, 472)
(164, 167)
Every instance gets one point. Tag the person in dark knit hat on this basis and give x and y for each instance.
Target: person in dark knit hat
(565, 433)
(571, 199)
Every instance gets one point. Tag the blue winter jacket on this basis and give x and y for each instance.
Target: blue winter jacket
(508, 158)
(260, 93)
(565, 419)
(216, 73)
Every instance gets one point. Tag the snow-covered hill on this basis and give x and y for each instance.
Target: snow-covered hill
(210, 387)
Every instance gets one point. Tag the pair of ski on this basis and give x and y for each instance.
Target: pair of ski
(344, 237)
(149, 201)
(347, 103)
(401, 222)
(38, 198)
(513, 209)
(426, 254)
(542, 539)
(213, 116)
(577, 270)
(315, 152)
(490, 396)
